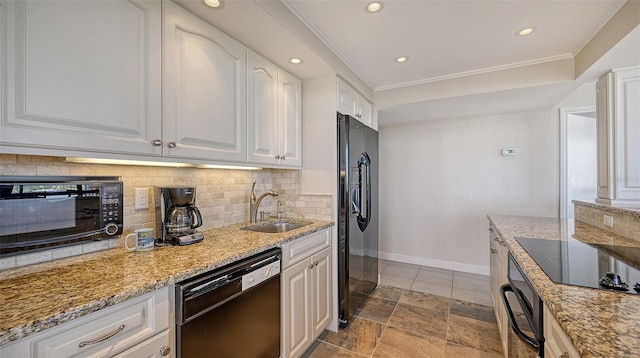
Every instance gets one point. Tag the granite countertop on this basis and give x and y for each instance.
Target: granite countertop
(41, 296)
(600, 323)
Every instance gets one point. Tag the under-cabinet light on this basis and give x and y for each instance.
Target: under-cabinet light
(153, 164)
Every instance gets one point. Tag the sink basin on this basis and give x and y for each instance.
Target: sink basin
(275, 227)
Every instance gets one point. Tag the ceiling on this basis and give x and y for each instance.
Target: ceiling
(447, 42)
(445, 38)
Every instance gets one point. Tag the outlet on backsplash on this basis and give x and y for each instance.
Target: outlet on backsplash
(608, 221)
(622, 221)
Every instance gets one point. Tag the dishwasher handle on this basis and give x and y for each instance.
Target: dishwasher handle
(535, 343)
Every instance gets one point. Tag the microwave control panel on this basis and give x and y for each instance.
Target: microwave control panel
(112, 204)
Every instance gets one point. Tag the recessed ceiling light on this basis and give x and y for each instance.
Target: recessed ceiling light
(374, 7)
(526, 31)
(295, 61)
(212, 3)
(402, 59)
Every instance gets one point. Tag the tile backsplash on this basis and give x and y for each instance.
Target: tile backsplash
(626, 222)
(222, 195)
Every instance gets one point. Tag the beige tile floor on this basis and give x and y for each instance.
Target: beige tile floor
(416, 312)
(440, 282)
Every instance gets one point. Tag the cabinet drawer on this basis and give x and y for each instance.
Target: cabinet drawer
(156, 347)
(297, 250)
(101, 333)
(557, 343)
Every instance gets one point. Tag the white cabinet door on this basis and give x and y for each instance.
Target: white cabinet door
(618, 124)
(274, 114)
(204, 90)
(604, 123)
(321, 290)
(82, 75)
(262, 114)
(296, 309)
(347, 99)
(365, 111)
(627, 127)
(290, 115)
(351, 103)
(498, 268)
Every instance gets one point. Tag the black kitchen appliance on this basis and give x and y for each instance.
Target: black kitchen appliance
(358, 215)
(42, 212)
(599, 266)
(530, 305)
(231, 312)
(178, 217)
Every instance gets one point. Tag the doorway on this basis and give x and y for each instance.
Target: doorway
(578, 162)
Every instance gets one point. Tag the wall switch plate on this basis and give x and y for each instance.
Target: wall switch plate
(608, 220)
(508, 152)
(142, 198)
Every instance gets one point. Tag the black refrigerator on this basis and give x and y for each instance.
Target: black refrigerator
(358, 215)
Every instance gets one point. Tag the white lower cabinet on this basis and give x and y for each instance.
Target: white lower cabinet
(498, 268)
(306, 292)
(139, 327)
(557, 344)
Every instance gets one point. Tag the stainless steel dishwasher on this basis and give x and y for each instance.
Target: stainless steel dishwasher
(233, 311)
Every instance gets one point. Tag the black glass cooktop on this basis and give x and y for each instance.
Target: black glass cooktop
(573, 262)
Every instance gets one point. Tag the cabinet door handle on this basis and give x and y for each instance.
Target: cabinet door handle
(564, 355)
(502, 243)
(310, 266)
(277, 157)
(496, 239)
(493, 251)
(172, 144)
(103, 338)
(164, 351)
(282, 157)
(157, 142)
(315, 263)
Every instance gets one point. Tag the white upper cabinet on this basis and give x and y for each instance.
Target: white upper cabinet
(262, 114)
(204, 90)
(351, 103)
(71, 84)
(618, 127)
(290, 116)
(274, 114)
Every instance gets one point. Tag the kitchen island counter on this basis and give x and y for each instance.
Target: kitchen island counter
(44, 295)
(600, 323)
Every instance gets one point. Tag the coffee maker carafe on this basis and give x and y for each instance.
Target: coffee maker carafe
(179, 216)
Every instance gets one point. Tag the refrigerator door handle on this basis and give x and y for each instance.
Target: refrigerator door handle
(364, 164)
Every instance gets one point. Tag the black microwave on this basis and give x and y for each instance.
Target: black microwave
(43, 212)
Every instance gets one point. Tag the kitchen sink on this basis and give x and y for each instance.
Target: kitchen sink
(275, 227)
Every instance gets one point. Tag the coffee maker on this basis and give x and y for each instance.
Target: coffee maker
(177, 216)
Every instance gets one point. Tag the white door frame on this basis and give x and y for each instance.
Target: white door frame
(564, 113)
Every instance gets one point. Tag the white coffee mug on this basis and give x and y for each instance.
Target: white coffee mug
(143, 240)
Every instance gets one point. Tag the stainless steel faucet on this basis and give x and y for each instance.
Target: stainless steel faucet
(255, 203)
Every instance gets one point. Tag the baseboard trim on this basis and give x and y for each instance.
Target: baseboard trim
(448, 265)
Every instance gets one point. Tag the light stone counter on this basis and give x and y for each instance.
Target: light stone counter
(41, 296)
(600, 323)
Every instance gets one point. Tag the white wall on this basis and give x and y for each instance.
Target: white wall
(439, 180)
